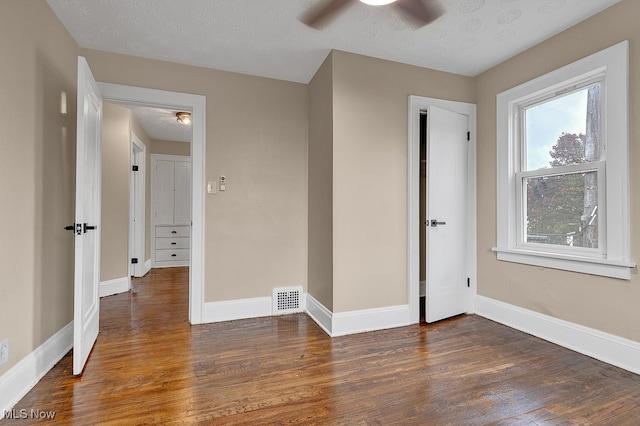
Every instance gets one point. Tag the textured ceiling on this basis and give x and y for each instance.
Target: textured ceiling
(161, 124)
(265, 37)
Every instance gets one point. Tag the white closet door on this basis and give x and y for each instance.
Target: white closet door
(182, 182)
(164, 194)
(448, 293)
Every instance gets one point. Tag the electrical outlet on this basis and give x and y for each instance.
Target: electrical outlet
(4, 351)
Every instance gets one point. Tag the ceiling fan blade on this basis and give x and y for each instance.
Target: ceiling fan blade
(322, 15)
(422, 12)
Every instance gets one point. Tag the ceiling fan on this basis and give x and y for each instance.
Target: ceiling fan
(419, 12)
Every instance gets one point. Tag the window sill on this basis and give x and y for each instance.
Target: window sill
(585, 265)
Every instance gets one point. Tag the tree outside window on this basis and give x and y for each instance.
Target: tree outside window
(562, 208)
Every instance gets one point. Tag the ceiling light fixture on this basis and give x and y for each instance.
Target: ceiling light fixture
(377, 2)
(184, 118)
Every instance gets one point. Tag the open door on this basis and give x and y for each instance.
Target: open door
(447, 292)
(86, 311)
(137, 207)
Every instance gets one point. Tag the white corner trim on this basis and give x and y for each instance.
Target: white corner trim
(361, 321)
(370, 320)
(22, 377)
(236, 309)
(147, 267)
(118, 285)
(319, 313)
(614, 350)
(334, 325)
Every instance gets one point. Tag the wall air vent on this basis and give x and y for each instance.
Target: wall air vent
(287, 300)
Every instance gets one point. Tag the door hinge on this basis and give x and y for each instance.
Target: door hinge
(134, 260)
(134, 168)
(468, 136)
(468, 282)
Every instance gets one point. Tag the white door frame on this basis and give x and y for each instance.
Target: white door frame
(417, 103)
(195, 104)
(137, 207)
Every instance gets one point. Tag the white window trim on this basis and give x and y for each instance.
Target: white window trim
(615, 262)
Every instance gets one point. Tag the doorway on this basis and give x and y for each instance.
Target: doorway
(195, 104)
(418, 208)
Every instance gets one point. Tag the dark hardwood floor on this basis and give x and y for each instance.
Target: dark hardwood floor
(150, 366)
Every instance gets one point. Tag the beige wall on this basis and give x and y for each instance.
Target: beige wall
(370, 101)
(117, 125)
(256, 231)
(605, 304)
(170, 147)
(116, 157)
(37, 153)
(320, 273)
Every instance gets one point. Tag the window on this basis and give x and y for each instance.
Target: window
(563, 168)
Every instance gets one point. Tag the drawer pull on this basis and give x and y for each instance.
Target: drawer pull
(173, 243)
(174, 232)
(173, 255)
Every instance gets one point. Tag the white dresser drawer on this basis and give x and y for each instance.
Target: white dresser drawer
(172, 243)
(173, 231)
(177, 254)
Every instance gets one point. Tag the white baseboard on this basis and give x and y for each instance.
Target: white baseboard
(118, 285)
(370, 320)
(321, 315)
(614, 350)
(171, 263)
(236, 309)
(22, 377)
(147, 266)
(361, 321)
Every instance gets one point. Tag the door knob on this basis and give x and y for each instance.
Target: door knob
(76, 228)
(434, 223)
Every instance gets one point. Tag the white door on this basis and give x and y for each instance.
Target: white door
(164, 178)
(182, 191)
(87, 233)
(137, 207)
(447, 181)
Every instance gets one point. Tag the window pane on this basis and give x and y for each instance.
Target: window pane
(562, 209)
(564, 130)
